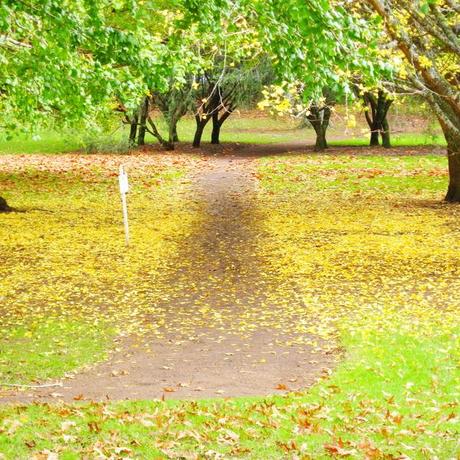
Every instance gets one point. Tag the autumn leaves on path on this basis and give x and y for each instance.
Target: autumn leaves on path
(218, 307)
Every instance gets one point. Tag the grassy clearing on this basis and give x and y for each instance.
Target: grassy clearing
(345, 175)
(374, 255)
(67, 278)
(372, 252)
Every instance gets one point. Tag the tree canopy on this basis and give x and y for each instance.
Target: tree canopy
(75, 62)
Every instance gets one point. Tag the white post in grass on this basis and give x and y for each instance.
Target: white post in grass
(124, 188)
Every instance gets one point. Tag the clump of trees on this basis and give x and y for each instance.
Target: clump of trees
(376, 107)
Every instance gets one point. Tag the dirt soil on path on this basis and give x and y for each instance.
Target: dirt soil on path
(217, 293)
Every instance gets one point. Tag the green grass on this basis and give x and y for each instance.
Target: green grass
(397, 140)
(48, 143)
(47, 349)
(379, 175)
(238, 128)
(394, 396)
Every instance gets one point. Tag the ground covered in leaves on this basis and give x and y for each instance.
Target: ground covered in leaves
(69, 284)
(363, 243)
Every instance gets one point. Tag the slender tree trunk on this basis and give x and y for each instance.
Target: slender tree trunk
(215, 135)
(386, 140)
(133, 129)
(143, 122)
(198, 135)
(453, 156)
(200, 125)
(172, 134)
(175, 136)
(376, 118)
(216, 125)
(167, 144)
(4, 205)
(218, 122)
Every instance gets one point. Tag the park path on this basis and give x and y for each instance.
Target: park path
(217, 341)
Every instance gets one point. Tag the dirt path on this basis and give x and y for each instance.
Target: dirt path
(217, 296)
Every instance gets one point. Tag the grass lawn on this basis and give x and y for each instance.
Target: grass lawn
(253, 127)
(394, 398)
(366, 243)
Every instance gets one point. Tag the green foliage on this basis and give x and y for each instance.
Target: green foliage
(75, 62)
(317, 43)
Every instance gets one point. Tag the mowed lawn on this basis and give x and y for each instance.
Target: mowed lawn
(256, 127)
(365, 241)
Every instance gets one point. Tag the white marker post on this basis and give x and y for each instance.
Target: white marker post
(124, 189)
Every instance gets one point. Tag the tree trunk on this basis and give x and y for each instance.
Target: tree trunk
(172, 134)
(198, 135)
(319, 119)
(133, 129)
(215, 136)
(376, 117)
(4, 205)
(216, 125)
(143, 122)
(200, 125)
(321, 142)
(218, 122)
(167, 144)
(375, 133)
(453, 156)
(175, 136)
(386, 141)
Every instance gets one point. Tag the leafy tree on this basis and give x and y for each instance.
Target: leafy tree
(318, 45)
(427, 33)
(74, 62)
(224, 88)
(242, 87)
(64, 61)
(288, 99)
(175, 104)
